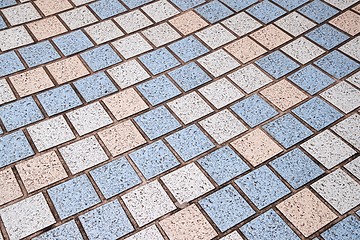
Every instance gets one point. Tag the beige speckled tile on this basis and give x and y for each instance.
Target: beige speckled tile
(46, 27)
(51, 7)
(348, 22)
(245, 49)
(271, 36)
(188, 22)
(9, 187)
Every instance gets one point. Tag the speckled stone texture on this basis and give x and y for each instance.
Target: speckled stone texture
(179, 119)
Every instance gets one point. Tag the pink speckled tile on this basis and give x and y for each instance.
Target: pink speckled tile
(348, 22)
(186, 224)
(121, 138)
(67, 70)
(245, 49)
(306, 212)
(51, 7)
(31, 81)
(283, 94)
(256, 147)
(41, 171)
(9, 188)
(46, 28)
(125, 103)
(188, 22)
(270, 36)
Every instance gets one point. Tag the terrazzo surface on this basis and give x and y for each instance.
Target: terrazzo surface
(179, 119)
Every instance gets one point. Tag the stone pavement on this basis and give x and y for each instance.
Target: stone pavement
(179, 119)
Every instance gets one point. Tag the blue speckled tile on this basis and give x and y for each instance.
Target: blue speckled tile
(159, 61)
(189, 142)
(10, 63)
(187, 4)
(100, 57)
(311, 79)
(268, 226)
(106, 222)
(214, 11)
(39, 53)
(20, 113)
(59, 99)
(14, 147)
(65, 231)
(262, 187)
(226, 207)
(188, 48)
(7, 3)
(296, 168)
(2, 23)
(157, 122)
(73, 42)
(118, 171)
(265, 11)
(254, 110)
(107, 8)
(318, 11)
(95, 86)
(277, 64)
(346, 229)
(238, 5)
(154, 159)
(223, 164)
(158, 90)
(287, 130)
(290, 4)
(317, 113)
(135, 3)
(327, 36)
(73, 196)
(189, 76)
(337, 64)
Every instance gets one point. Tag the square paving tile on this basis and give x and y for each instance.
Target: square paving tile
(27, 216)
(343, 96)
(266, 11)
(215, 36)
(245, 49)
(223, 126)
(262, 187)
(311, 79)
(339, 190)
(119, 103)
(132, 45)
(50, 133)
(100, 58)
(52, 7)
(108, 221)
(83, 154)
(104, 31)
(190, 107)
(21, 13)
(20, 113)
(188, 223)
(318, 11)
(350, 48)
(189, 142)
(158, 90)
(354, 167)
(302, 50)
(154, 159)
(78, 17)
(223, 165)
(159, 61)
(327, 36)
(283, 95)
(148, 203)
(62, 232)
(306, 212)
(296, 168)
(160, 10)
(160, 35)
(187, 183)
(39, 53)
(119, 171)
(19, 36)
(189, 76)
(254, 110)
(107, 8)
(268, 226)
(73, 196)
(6, 94)
(133, 21)
(221, 93)
(349, 129)
(11, 63)
(157, 122)
(41, 171)
(72, 42)
(121, 138)
(226, 207)
(294, 23)
(317, 113)
(188, 22)
(348, 22)
(270, 36)
(256, 147)
(347, 228)
(287, 130)
(241, 23)
(214, 11)
(218, 63)
(188, 48)
(9, 186)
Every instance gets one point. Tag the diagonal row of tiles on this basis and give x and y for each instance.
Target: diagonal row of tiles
(151, 143)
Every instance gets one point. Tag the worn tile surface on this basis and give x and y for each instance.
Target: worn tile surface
(179, 119)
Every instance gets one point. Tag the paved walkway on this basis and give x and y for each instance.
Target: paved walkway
(179, 119)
